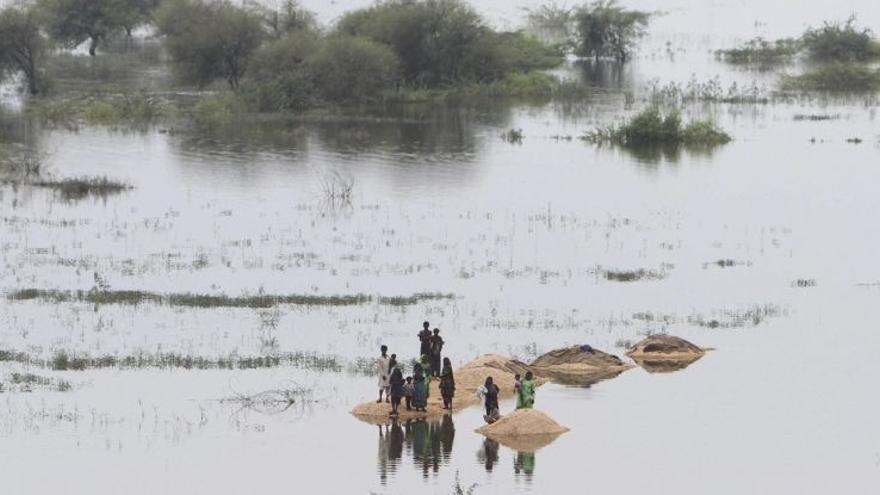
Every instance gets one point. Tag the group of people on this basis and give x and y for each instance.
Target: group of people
(414, 390)
(523, 387)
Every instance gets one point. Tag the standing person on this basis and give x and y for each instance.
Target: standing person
(383, 365)
(525, 398)
(447, 384)
(420, 390)
(392, 363)
(408, 393)
(517, 384)
(425, 363)
(488, 393)
(395, 389)
(425, 339)
(436, 349)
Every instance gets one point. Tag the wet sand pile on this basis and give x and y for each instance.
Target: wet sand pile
(665, 347)
(468, 379)
(525, 430)
(580, 365)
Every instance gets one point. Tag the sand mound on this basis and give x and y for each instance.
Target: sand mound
(468, 379)
(665, 347)
(578, 365)
(523, 422)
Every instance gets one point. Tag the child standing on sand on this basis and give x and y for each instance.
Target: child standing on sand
(408, 393)
(396, 389)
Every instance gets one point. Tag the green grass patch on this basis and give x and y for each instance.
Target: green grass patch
(654, 128)
(216, 301)
(76, 188)
(835, 78)
(115, 110)
(762, 52)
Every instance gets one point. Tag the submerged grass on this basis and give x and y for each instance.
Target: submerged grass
(118, 109)
(653, 128)
(762, 52)
(633, 275)
(76, 188)
(216, 301)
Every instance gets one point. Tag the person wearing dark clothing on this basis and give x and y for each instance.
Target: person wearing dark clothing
(436, 349)
(408, 393)
(489, 393)
(447, 384)
(420, 390)
(396, 389)
(425, 340)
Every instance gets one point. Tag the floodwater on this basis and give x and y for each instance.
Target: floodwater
(521, 234)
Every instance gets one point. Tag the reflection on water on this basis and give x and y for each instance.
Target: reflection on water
(524, 465)
(488, 454)
(427, 441)
(665, 365)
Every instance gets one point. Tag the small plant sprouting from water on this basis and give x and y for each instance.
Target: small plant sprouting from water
(835, 78)
(77, 188)
(513, 136)
(459, 489)
(633, 275)
(762, 52)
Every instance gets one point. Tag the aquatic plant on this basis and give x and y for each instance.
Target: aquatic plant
(632, 275)
(261, 301)
(836, 78)
(651, 128)
(710, 91)
(76, 188)
(761, 51)
(513, 136)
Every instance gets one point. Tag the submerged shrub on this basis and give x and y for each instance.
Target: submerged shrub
(652, 127)
(350, 69)
(280, 75)
(839, 77)
(841, 42)
(761, 51)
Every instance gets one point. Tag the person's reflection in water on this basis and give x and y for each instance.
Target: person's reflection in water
(488, 455)
(383, 453)
(524, 463)
(428, 441)
(447, 436)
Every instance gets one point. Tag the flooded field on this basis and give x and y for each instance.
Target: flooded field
(205, 321)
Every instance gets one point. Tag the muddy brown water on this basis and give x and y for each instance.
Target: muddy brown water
(521, 233)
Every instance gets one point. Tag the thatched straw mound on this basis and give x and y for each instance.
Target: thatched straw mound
(578, 365)
(665, 347)
(524, 430)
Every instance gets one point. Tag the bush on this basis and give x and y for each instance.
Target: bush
(606, 30)
(22, 47)
(841, 42)
(352, 70)
(280, 76)
(445, 42)
(653, 128)
(838, 77)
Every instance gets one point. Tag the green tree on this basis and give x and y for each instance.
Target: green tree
(607, 30)
(840, 42)
(280, 76)
(22, 46)
(73, 22)
(132, 14)
(284, 18)
(354, 70)
(432, 38)
(210, 40)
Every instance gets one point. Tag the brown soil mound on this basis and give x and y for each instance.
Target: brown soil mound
(524, 430)
(578, 365)
(468, 379)
(665, 348)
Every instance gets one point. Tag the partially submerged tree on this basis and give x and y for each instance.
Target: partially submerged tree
(353, 70)
(607, 30)
(73, 22)
(22, 45)
(841, 42)
(210, 40)
(132, 14)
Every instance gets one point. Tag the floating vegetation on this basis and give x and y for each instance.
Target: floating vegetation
(802, 283)
(752, 316)
(725, 263)
(77, 188)
(69, 361)
(836, 78)
(28, 382)
(653, 128)
(513, 136)
(210, 301)
(761, 51)
(633, 276)
(815, 117)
